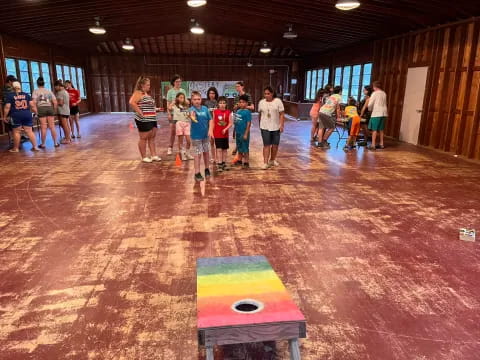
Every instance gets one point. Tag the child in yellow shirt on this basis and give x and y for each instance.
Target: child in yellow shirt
(351, 113)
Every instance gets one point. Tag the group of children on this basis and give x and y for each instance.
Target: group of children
(198, 124)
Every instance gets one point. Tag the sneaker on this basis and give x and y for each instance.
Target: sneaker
(79, 136)
(199, 177)
(320, 145)
(12, 150)
(326, 145)
(190, 156)
(184, 156)
(73, 136)
(35, 149)
(380, 147)
(207, 173)
(147, 160)
(265, 166)
(225, 167)
(156, 158)
(246, 165)
(41, 146)
(219, 167)
(169, 151)
(57, 145)
(372, 148)
(238, 163)
(346, 148)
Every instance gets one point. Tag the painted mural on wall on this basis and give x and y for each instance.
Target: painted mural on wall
(225, 88)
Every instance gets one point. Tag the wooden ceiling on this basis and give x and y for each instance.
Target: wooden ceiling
(234, 27)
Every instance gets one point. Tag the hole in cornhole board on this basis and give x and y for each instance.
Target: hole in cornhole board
(247, 306)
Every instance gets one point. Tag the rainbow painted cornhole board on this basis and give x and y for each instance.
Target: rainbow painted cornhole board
(241, 300)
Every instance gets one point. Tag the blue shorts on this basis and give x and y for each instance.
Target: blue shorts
(242, 145)
(22, 121)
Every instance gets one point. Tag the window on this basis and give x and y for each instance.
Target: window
(314, 81)
(27, 72)
(74, 74)
(353, 79)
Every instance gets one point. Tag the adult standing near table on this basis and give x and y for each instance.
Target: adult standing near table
(63, 110)
(377, 104)
(46, 104)
(240, 88)
(176, 82)
(19, 106)
(145, 118)
(75, 100)
(272, 122)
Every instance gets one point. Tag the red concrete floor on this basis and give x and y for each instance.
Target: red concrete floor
(97, 250)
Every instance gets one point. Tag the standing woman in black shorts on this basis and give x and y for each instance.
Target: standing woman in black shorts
(272, 122)
(145, 118)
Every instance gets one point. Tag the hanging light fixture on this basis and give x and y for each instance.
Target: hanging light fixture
(347, 4)
(290, 34)
(265, 49)
(195, 28)
(127, 45)
(196, 3)
(97, 29)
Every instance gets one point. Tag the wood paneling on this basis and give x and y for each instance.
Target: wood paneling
(112, 78)
(450, 119)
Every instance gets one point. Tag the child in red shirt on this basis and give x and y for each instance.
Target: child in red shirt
(221, 123)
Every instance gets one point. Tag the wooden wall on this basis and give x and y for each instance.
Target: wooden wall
(111, 78)
(450, 119)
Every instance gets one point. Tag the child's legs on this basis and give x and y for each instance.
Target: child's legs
(320, 133)
(180, 142)
(381, 137)
(173, 130)
(374, 137)
(212, 147)
(43, 129)
(224, 155)
(51, 125)
(219, 154)
(246, 157)
(189, 142)
(314, 127)
(77, 123)
(71, 121)
(206, 159)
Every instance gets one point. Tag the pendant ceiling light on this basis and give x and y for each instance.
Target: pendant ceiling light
(97, 29)
(290, 34)
(195, 28)
(127, 45)
(196, 3)
(265, 49)
(347, 4)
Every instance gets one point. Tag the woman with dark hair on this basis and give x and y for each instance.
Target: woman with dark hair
(314, 115)
(328, 92)
(145, 118)
(20, 106)
(212, 103)
(75, 100)
(47, 108)
(365, 113)
(176, 82)
(272, 121)
(63, 110)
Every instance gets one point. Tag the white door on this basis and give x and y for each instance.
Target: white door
(413, 104)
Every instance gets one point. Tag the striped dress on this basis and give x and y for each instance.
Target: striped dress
(147, 105)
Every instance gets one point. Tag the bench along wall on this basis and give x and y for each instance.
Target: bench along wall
(450, 118)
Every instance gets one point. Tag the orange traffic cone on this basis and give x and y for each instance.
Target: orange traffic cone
(178, 160)
(236, 158)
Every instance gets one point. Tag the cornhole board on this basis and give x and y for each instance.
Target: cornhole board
(242, 300)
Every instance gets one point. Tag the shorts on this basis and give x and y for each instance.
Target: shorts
(242, 145)
(326, 121)
(354, 125)
(221, 143)
(22, 121)
(270, 137)
(74, 110)
(44, 111)
(172, 121)
(377, 123)
(63, 116)
(200, 146)
(145, 126)
(183, 128)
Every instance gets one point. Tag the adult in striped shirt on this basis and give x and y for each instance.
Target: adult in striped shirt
(145, 118)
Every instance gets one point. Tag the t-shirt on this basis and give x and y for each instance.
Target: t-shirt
(237, 99)
(43, 97)
(172, 95)
(64, 109)
(199, 130)
(181, 113)
(19, 105)
(351, 111)
(241, 119)
(331, 105)
(315, 110)
(74, 96)
(221, 119)
(270, 114)
(211, 104)
(378, 104)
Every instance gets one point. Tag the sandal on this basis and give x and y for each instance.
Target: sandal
(380, 146)
(57, 145)
(41, 146)
(371, 148)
